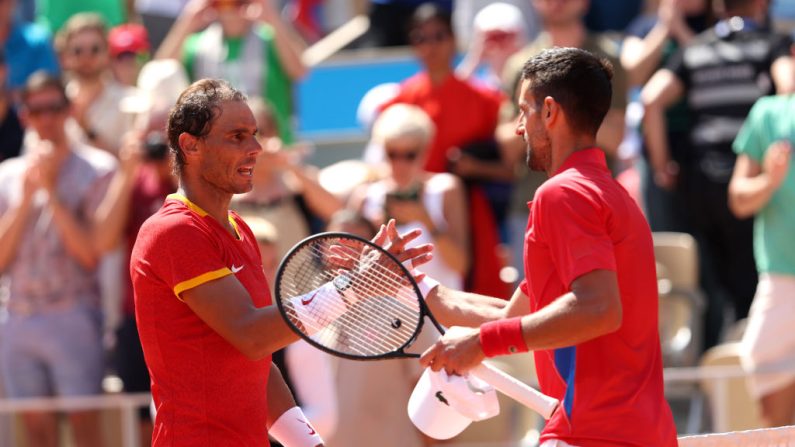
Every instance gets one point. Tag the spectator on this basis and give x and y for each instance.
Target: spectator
(465, 118)
(763, 185)
(464, 12)
(129, 50)
(415, 198)
(651, 41)
(389, 20)
(499, 32)
(10, 127)
(245, 42)
(720, 89)
(27, 47)
(286, 192)
(94, 94)
(51, 342)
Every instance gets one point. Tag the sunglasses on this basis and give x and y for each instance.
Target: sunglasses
(91, 50)
(499, 36)
(228, 4)
(52, 108)
(418, 38)
(400, 155)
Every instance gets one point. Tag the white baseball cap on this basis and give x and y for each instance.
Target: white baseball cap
(500, 16)
(442, 406)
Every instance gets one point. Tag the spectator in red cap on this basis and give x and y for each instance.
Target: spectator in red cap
(129, 50)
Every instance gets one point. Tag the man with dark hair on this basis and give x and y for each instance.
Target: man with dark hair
(588, 304)
(202, 301)
(51, 342)
(721, 73)
(82, 45)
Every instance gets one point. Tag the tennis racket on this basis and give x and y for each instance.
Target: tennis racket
(351, 298)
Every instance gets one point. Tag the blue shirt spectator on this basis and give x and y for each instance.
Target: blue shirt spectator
(28, 49)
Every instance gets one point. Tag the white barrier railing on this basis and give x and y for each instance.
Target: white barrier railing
(127, 404)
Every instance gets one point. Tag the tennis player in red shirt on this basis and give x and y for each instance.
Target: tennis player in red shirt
(202, 302)
(588, 304)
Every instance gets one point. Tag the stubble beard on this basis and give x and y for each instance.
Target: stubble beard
(537, 157)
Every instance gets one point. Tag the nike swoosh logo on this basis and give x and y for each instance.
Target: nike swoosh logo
(236, 269)
(306, 302)
(311, 430)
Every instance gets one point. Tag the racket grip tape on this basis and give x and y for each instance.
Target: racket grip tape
(517, 390)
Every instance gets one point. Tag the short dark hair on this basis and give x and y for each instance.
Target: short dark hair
(41, 80)
(579, 81)
(195, 111)
(430, 12)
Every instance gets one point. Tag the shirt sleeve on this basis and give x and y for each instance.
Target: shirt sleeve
(753, 138)
(187, 256)
(677, 65)
(573, 223)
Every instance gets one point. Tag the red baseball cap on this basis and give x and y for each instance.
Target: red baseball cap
(128, 38)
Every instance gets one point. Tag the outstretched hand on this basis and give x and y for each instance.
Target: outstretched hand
(395, 243)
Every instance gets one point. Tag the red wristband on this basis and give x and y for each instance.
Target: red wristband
(502, 337)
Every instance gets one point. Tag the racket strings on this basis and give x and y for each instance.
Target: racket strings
(386, 312)
(370, 292)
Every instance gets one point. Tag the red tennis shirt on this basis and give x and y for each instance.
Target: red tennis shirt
(611, 387)
(206, 392)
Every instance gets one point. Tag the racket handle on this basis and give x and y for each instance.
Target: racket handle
(513, 388)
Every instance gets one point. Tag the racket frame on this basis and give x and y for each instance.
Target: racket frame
(397, 353)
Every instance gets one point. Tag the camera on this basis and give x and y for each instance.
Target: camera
(155, 146)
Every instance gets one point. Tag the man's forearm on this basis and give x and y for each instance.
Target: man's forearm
(748, 195)
(457, 308)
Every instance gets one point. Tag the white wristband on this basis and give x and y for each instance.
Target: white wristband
(318, 308)
(427, 284)
(292, 429)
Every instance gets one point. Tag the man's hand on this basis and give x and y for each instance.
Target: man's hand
(198, 14)
(388, 238)
(456, 352)
(48, 165)
(776, 162)
(666, 176)
(131, 151)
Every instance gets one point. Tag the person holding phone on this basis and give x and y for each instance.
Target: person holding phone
(416, 198)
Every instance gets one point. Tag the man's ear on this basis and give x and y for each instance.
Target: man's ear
(187, 143)
(550, 110)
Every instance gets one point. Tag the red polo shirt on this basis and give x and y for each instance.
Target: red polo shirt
(206, 392)
(611, 387)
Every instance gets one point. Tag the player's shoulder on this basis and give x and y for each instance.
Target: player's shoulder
(573, 185)
(171, 222)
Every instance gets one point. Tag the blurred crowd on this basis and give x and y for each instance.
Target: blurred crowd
(699, 133)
